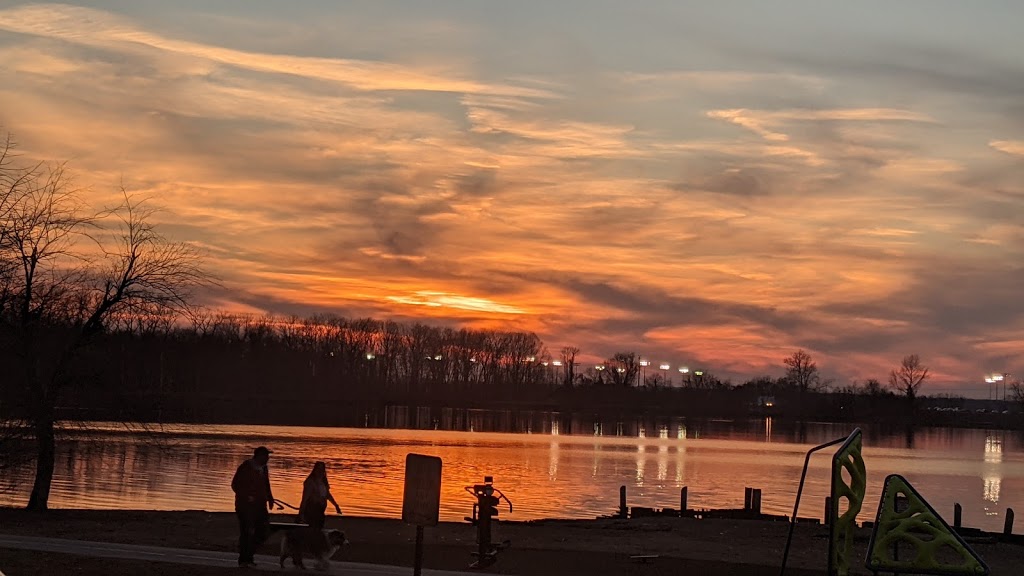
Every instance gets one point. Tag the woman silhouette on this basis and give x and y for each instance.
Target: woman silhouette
(316, 493)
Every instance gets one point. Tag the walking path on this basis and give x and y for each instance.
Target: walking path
(195, 557)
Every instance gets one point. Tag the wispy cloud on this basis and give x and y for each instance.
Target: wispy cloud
(720, 213)
(101, 29)
(1015, 147)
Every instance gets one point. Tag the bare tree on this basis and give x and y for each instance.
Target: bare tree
(873, 388)
(907, 379)
(1017, 393)
(569, 354)
(623, 368)
(802, 371)
(74, 275)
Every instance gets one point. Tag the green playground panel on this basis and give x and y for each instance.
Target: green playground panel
(921, 528)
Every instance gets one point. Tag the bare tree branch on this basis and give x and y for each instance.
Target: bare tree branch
(907, 379)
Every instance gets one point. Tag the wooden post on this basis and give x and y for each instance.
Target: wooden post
(1008, 525)
(417, 567)
(747, 497)
(682, 500)
(828, 510)
(623, 511)
(958, 513)
(755, 501)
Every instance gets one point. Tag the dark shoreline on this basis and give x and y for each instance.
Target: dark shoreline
(539, 548)
(518, 418)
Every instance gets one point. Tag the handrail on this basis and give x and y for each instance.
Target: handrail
(799, 492)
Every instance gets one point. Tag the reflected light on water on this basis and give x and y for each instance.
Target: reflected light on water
(991, 478)
(768, 429)
(641, 464)
(553, 461)
(558, 475)
(680, 464)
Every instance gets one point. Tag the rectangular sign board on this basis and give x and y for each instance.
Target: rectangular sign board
(421, 501)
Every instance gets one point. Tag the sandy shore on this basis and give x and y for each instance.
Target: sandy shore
(542, 548)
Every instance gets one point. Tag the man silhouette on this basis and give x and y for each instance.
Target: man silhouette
(253, 501)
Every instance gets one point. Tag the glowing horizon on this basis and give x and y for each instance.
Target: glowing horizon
(709, 190)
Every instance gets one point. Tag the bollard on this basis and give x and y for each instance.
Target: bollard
(623, 511)
(748, 494)
(828, 510)
(1008, 525)
(682, 500)
(755, 501)
(958, 512)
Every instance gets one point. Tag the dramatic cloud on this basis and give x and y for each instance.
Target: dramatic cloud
(715, 195)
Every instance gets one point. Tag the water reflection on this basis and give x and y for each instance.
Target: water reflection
(641, 464)
(553, 462)
(991, 478)
(663, 460)
(550, 473)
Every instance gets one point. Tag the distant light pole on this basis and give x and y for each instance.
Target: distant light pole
(665, 367)
(685, 371)
(643, 371)
(990, 380)
(997, 378)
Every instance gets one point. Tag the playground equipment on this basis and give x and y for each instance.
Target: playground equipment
(484, 510)
(904, 517)
(840, 542)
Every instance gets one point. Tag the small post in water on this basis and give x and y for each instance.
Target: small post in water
(1008, 524)
(755, 500)
(828, 510)
(623, 511)
(958, 513)
(682, 500)
(748, 494)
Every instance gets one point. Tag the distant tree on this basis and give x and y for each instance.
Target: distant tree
(802, 371)
(622, 368)
(69, 283)
(568, 356)
(907, 379)
(1017, 393)
(655, 381)
(873, 388)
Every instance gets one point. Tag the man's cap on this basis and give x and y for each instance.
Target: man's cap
(262, 450)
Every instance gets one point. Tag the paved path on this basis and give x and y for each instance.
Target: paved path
(197, 557)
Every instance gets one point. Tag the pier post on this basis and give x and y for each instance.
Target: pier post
(748, 495)
(682, 500)
(755, 501)
(958, 512)
(623, 510)
(1008, 524)
(828, 510)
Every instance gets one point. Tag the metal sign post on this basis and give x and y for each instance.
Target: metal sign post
(421, 501)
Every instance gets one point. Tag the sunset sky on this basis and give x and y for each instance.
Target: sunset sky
(705, 183)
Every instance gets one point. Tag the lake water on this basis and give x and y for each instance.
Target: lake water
(544, 470)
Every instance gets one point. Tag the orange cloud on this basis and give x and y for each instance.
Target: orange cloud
(631, 216)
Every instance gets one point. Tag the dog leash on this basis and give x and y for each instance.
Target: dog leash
(282, 504)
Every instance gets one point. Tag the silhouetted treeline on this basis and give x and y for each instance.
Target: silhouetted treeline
(338, 371)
